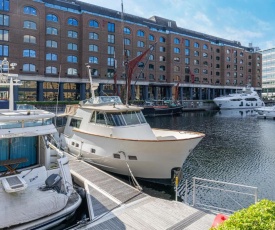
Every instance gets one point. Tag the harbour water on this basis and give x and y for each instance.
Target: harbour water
(238, 148)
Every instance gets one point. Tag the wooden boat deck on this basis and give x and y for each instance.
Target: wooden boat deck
(114, 204)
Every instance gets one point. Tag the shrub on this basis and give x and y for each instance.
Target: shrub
(260, 216)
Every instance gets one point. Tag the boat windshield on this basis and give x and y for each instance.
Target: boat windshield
(124, 118)
(104, 100)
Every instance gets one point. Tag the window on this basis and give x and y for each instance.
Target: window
(162, 68)
(151, 77)
(187, 70)
(205, 47)
(151, 57)
(241, 61)
(176, 59)
(140, 33)
(29, 39)
(187, 42)
(227, 58)
(162, 77)
(217, 58)
(196, 53)
(241, 75)
(4, 50)
(187, 52)
(217, 65)
(151, 67)
(127, 30)
(151, 37)
(93, 36)
(93, 60)
(205, 63)
(72, 71)
(176, 68)
(72, 46)
(187, 61)
(196, 70)
(4, 20)
(205, 55)
(111, 27)
(161, 58)
(93, 23)
(140, 44)
(51, 70)
(30, 10)
(51, 30)
(162, 39)
(127, 53)
(72, 59)
(228, 51)
(196, 45)
(162, 49)
(196, 62)
(51, 57)
(52, 18)
(205, 71)
(94, 72)
(72, 22)
(228, 74)
(29, 67)
(5, 5)
(176, 41)
(52, 44)
(111, 38)
(4, 35)
(176, 50)
(111, 62)
(241, 54)
(93, 48)
(72, 34)
(75, 123)
(30, 25)
(218, 50)
(111, 50)
(29, 53)
(127, 41)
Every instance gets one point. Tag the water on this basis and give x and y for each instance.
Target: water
(238, 148)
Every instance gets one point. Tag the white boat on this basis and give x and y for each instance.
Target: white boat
(36, 190)
(248, 98)
(266, 112)
(116, 137)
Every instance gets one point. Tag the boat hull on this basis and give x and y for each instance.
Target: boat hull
(152, 111)
(146, 159)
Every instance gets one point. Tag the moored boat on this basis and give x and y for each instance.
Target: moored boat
(248, 98)
(36, 190)
(266, 112)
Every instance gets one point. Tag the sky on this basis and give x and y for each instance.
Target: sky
(246, 21)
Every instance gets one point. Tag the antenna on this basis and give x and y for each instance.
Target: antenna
(93, 86)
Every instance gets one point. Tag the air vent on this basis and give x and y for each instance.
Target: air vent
(116, 155)
(93, 151)
(132, 158)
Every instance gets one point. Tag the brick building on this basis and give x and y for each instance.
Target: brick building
(53, 40)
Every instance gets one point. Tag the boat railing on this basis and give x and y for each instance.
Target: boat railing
(218, 196)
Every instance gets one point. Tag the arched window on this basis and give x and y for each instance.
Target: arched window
(30, 25)
(140, 33)
(72, 22)
(176, 68)
(162, 68)
(111, 62)
(93, 60)
(127, 30)
(196, 53)
(151, 67)
(29, 67)
(176, 50)
(72, 34)
(196, 45)
(29, 53)
(228, 74)
(205, 71)
(151, 77)
(151, 37)
(196, 70)
(51, 70)
(29, 10)
(161, 39)
(72, 71)
(51, 30)
(162, 49)
(72, 46)
(196, 62)
(205, 55)
(93, 23)
(176, 41)
(29, 39)
(51, 57)
(52, 18)
(140, 44)
(205, 63)
(176, 59)
(161, 58)
(227, 58)
(151, 57)
(72, 59)
(127, 41)
(205, 47)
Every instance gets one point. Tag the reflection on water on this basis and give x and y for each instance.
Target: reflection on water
(235, 113)
(237, 148)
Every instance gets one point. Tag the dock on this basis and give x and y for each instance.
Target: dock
(115, 205)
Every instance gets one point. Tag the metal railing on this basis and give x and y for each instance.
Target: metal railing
(218, 196)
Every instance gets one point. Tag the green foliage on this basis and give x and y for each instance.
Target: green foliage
(260, 216)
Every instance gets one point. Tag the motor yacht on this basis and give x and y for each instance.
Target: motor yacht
(266, 112)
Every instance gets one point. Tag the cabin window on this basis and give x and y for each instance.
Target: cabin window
(76, 145)
(100, 118)
(131, 118)
(132, 157)
(75, 123)
(116, 155)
